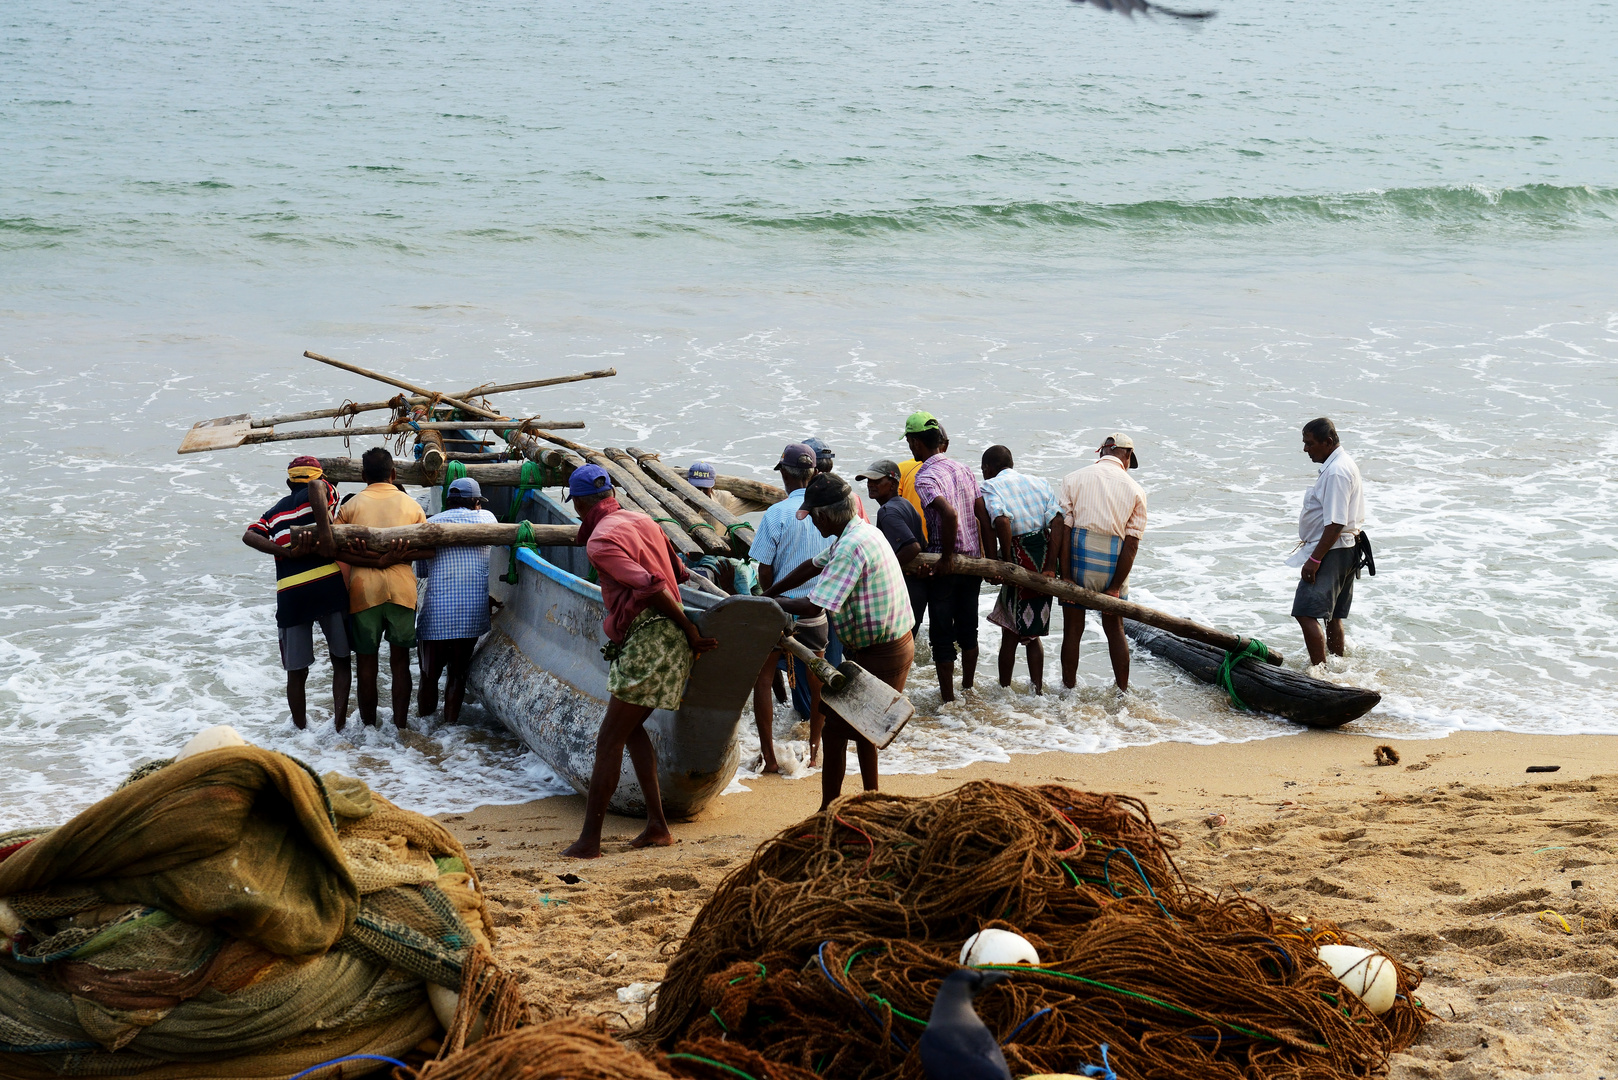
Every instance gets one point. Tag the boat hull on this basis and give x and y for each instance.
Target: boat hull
(1265, 687)
(540, 672)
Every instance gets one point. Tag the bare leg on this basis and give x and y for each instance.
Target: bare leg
(1314, 638)
(1117, 648)
(1072, 632)
(946, 678)
(969, 667)
(836, 762)
(297, 682)
(367, 668)
(1334, 637)
(780, 685)
(1036, 663)
(643, 756)
(342, 679)
(764, 713)
(399, 668)
(1008, 656)
(817, 719)
(865, 751)
(432, 666)
(620, 720)
(460, 664)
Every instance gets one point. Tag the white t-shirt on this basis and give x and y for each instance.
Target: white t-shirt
(1337, 498)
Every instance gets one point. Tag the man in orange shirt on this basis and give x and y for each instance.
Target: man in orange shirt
(382, 589)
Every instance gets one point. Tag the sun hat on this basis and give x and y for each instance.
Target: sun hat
(1123, 442)
(917, 422)
(701, 475)
(876, 470)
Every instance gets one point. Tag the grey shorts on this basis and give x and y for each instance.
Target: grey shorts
(1332, 593)
(298, 642)
(814, 636)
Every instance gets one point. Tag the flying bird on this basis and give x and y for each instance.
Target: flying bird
(957, 1045)
(1145, 7)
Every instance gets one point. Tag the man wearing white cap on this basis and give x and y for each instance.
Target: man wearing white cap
(1103, 520)
(453, 611)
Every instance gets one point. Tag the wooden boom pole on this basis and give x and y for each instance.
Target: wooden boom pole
(419, 399)
(1012, 574)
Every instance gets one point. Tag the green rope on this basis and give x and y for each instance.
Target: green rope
(452, 472)
(525, 539)
(1251, 649)
(709, 1061)
(667, 521)
(534, 477)
(731, 529)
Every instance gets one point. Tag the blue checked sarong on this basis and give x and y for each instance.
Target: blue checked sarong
(1095, 557)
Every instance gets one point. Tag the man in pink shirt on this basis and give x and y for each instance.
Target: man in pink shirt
(651, 645)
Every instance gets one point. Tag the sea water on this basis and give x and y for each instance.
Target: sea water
(1038, 221)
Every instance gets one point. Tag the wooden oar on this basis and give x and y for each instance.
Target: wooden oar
(1012, 574)
(476, 391)
(869, 705)
(228, 439)
(447, 534)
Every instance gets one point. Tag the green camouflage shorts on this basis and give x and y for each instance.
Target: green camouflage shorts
(652, 665)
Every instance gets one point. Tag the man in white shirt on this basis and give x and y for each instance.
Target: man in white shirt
(1103, 520)
(1328, 533)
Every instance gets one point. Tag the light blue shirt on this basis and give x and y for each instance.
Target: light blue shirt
(782, 541)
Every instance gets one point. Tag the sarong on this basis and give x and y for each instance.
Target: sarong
(1095, 557)
(1022, 611)
(651, 665)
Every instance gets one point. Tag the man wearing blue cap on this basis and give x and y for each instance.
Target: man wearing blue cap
(651, 645)
(781, 543)
(453, 611)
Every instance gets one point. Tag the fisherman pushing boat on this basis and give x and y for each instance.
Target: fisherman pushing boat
(651, 647)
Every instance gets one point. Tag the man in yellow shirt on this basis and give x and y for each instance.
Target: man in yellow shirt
(916, 423)
(382, 590)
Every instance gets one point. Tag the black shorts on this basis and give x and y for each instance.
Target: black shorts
(952, 604)
(1332, 593)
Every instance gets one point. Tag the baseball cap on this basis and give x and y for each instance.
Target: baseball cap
(918, 422)
(700, 474)
(304, 467)
(827, 489)
(876, 470)
(587, 480)
(466, 488)
(1123, 442)
(797, 456)
(822, 451)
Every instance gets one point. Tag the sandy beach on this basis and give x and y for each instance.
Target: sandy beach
(1495, 882)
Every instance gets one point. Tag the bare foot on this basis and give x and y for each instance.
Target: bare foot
(578, 849)
(814, 761)
(771, 766)
(654, 836)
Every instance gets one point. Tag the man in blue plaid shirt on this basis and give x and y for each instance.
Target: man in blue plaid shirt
(453, 611)
(1017, 514)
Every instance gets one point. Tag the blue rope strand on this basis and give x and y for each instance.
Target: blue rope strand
(350, 1057)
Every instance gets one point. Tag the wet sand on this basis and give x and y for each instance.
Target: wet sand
(1451, 859)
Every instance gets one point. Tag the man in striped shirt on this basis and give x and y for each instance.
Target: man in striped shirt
(861, 586)
(309, 589)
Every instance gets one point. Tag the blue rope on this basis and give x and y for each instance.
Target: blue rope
(1102, 1071)
(820, 958)
(1018, 1029)
(1107, 877)
(350, 1057)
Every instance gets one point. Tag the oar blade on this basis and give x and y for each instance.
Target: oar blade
(220, 433)
(869, 705)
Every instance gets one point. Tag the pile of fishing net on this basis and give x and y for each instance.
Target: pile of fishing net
(823, 956)
(235, 915)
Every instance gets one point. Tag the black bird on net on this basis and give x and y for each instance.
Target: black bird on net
(957, 1045)
(1146, 7)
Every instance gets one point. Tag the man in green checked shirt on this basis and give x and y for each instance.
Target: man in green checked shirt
(863, 589)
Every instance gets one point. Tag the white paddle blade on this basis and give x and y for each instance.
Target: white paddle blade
(869, 705)
(220, 433)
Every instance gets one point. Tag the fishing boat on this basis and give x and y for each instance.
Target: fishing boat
(540, 672)
(1297, 697)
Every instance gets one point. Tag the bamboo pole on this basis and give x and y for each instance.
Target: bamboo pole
(446, 534)
(476, 391)
(464, 406)
(356, 432)
(694, 495)
(1012, 574)
(698, 529)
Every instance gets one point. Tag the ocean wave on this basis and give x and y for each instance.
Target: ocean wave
(1540, 206)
